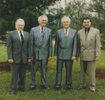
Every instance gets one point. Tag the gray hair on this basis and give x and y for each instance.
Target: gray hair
(20, 20)
(39, 18)
(65, 17)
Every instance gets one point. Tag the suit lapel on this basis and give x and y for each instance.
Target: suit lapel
(83, 37)
(89, 34)
(39, 33)
(17, 36)
(45, 34)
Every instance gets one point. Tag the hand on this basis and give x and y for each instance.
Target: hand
(49, 58)
(97, 58)
(10, 60)
(29, 60)
(55, 57)
(77, 58)
(73, 58)
(32, 58)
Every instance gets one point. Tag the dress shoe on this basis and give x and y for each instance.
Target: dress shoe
(68, 87)
(13, 92)
(45, 87)
(32, 88)
(80, 88)
(23, 90)
(92, 89)
(57, 88)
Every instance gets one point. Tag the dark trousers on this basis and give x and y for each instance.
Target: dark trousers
(18, 69)
(34, 67)
(68, 65)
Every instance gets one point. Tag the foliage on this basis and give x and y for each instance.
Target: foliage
(76, 10)
(98, 10)
(55, 16)
(29, 10)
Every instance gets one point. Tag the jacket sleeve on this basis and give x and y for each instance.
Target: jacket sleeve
(31, 42)
(56, 45)
(50, 44)
(75, 45)
(9, 46)
(98, 44)
(29, 50)
(78, 45)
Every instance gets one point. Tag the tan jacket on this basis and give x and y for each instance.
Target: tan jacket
(88, 49)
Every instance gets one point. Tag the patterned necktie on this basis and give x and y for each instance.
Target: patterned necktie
(22, 39)
(66, 34)
(42, 34)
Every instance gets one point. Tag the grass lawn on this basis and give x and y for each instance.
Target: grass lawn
(52, 94)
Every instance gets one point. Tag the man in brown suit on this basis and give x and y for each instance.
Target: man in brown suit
(89, 51)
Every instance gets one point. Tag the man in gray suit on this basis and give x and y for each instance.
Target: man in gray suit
(41, 50)
(65, 51)
(89, 51)
(18, 55)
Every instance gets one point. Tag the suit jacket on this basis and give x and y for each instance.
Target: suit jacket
(89, 49)
(15, 49)
(40, 49)
(65, 48)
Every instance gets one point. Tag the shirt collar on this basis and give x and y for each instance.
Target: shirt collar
(66, 29)
(41, 27)
(19, 31)
(87, 29)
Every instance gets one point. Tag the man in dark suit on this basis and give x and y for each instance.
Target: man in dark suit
(41, 50)
(89, 52)
(18, 55)
(65, 51)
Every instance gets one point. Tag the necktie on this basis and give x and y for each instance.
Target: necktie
(22, 39)
(42, 34)
(86, 34)
(66, 34)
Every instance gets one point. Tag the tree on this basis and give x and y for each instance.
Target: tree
(76, 10)
(98, 20)
(29, 10)
(55, 15)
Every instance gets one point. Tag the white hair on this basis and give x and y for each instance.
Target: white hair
(65, 17)
(39, 18)
(20, 20)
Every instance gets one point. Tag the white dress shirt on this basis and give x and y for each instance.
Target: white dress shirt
(66, 30)
(19, 34)
(41, 28)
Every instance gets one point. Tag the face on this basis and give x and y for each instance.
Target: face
(86, 23)
(20, 26)
(43, 21)
(66, 23)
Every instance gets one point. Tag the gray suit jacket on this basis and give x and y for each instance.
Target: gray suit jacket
(15, 49)
(40, 49)
(89, 49)
(65, 48)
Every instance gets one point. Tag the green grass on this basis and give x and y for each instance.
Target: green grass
(52, 94)
(3, 53)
